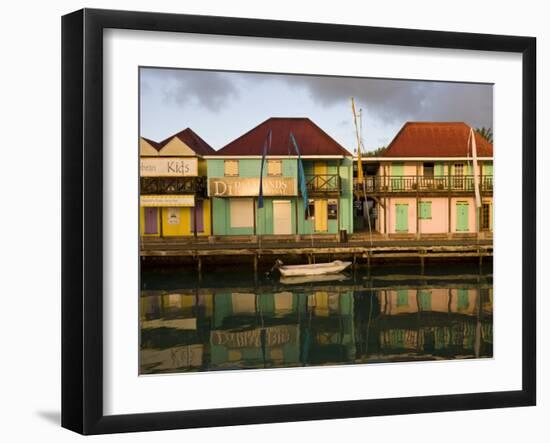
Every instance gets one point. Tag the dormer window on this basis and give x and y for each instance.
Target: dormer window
(231, 168)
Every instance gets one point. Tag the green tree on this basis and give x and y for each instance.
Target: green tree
(376, 153)
(486, 133)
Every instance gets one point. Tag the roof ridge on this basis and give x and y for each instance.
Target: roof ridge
(433, 142)
(196, 138)
(303, 127)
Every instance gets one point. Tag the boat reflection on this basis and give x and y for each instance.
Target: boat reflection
(360, 320)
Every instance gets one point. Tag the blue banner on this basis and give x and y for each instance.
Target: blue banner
(301, 175)
(267, 147)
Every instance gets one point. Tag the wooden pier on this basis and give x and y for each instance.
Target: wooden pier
(359, 253)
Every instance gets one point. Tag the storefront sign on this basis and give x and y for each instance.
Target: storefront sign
(169, 167)
(274, 336)
(187, 356)
(167, 200)
(250, 187)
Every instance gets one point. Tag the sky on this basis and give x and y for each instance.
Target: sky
(221, 106)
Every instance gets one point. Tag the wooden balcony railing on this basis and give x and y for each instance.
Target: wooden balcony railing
(324, 183)
(173, 185)
(413, 183)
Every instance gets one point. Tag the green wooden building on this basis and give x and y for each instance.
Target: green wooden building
(234, 182)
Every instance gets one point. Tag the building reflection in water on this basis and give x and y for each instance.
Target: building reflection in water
(220, 329)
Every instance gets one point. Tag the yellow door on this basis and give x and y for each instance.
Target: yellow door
(320, 170)
(321, 223)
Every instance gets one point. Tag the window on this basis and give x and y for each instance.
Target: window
(231, 168)
(241, 212)
(402, 297)
(463, 299)
(425, 210)
(425, 300)
(428, 170)
(310, 210)
(458, 179)
(275, 168)
(486, 216)
(332, 209)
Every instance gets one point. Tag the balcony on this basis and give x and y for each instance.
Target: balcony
(413, 184)
(323, 184)
(173, 185)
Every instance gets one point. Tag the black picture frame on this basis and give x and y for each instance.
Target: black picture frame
(82, 215)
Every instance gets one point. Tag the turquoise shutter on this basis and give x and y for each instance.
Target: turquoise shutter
(402, 297)
(425, 210)
(425, 299)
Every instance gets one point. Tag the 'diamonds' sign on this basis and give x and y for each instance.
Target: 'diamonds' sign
(249, 187)
(168, 167)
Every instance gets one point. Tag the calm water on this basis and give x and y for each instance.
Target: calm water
(229, 320)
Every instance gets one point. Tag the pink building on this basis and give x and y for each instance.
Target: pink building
(424, 183)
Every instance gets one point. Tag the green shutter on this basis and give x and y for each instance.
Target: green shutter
(223, 307)
(425, 210)
(462, 216)
(397, 171)
(266, 304)
(402, 218)
(439, 170)
(402, 297)
(425, 300)
(488, 169)
(463, 300)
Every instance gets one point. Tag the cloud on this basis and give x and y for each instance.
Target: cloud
(182, 87)
(399, 100)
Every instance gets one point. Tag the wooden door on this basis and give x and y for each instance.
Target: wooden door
(282, 217)
(321, 216)
(151, 221)
(197, 213)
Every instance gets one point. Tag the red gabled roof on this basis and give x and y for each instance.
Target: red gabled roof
(436, 139)
(311, 139)
(152, 143)
(190, 138)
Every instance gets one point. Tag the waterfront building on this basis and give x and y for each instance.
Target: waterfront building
(423, 184)
(282, 329)
(234, 182)
(468, 334)
(173, 199)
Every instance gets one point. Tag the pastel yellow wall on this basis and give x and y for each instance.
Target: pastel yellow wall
(145, 149)
(207, 218)
(181, 229)
(176, 147)
(184, 226)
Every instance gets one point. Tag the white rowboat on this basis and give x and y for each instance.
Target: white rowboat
(305, 279)
(333, 267)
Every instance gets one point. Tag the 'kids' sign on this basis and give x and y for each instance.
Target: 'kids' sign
(168, 167)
